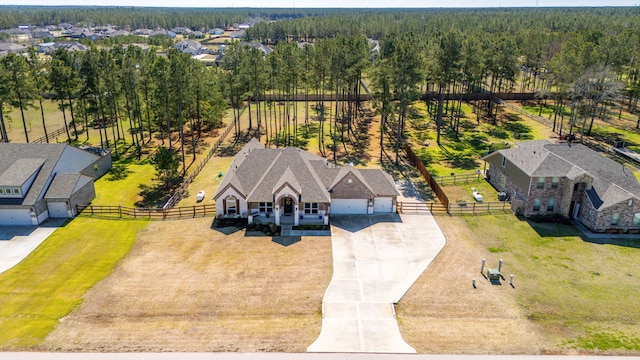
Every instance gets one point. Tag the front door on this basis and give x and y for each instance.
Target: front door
(288, 206)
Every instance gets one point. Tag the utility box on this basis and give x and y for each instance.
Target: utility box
(493, 274)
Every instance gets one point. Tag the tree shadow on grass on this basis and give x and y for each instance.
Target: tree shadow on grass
(118, 171)
(153, 196)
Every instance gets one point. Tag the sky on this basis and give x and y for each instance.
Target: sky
(330, 3)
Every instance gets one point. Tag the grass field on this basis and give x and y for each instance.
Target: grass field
(188, 287)
(121, 185)
(570, 294)
(53, 279)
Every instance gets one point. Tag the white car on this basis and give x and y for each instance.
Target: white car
(476, 195)
(200, 195)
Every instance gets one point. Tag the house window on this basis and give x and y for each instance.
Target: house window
(1, 191)
(231, 206)
(575, 187)
(636, 219)
(310, 208)
(551, 203)
(503, 181)
(536, 205)
(504, 161)
(266, 207)
(540, 183)
(554, 182)
(16, 191)
(615, 218)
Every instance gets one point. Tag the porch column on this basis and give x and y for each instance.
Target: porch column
(296, 216)
(277, 213)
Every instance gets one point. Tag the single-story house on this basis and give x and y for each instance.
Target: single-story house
(292, 184)
(41, 181)
(13, 48)
(254, 44)
(216, 31)
(571, 180)
(189, 47)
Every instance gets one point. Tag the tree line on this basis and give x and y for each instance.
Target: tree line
(129, 96)
(585, 59)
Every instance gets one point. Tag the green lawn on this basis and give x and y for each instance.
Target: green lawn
(463, 153)
(52, 280)
(583, 293)
(121, 185)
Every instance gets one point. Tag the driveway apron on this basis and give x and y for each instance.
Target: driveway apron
(17, 242)
(376, 259)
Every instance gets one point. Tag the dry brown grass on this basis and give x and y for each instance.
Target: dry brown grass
(443, 313)
(187, 287)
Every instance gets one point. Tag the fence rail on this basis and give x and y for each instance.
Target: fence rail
(147, 213)
(460, 178)
(427, 176)
(479, 207)
(50, 135)
(414, 207)
(179, 192)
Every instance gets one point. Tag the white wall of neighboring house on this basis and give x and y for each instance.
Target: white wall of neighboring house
(230, 192)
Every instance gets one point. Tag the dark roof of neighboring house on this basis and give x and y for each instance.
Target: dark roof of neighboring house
(64, 185)
(612, 182)
(257, 172)
(50, 154)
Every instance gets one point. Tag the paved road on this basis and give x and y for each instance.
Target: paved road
(282, 356)
(16, 242)
(376, 259)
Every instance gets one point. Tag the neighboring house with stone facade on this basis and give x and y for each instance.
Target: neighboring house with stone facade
(41, 181)
(289, 185)
(572, 180)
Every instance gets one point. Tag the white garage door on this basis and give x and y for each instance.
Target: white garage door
(382, 205)
(15, 217)
(349, 206)
(57, 210)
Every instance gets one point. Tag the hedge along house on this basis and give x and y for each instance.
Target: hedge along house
(289, 185)
(570, 180)
(41, 181)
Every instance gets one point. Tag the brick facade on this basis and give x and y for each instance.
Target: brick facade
(350, 187)
(567, 193)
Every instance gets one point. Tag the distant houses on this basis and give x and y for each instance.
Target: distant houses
(6, 48)
(189, 47)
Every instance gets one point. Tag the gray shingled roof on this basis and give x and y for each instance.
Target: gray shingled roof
(612, 183)
(14, 152)
(50, 153)
(257, 172)
(20, 171)
(64, 185)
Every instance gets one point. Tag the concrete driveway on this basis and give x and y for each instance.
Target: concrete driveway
(16, 242)
(376, 259)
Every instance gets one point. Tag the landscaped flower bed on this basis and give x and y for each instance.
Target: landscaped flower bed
(269, 229)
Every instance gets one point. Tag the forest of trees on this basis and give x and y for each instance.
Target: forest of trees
(584, 58)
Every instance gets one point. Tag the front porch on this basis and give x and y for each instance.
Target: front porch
(311, 219)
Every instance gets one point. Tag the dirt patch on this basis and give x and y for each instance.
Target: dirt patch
(443, 313)
(187, 287)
